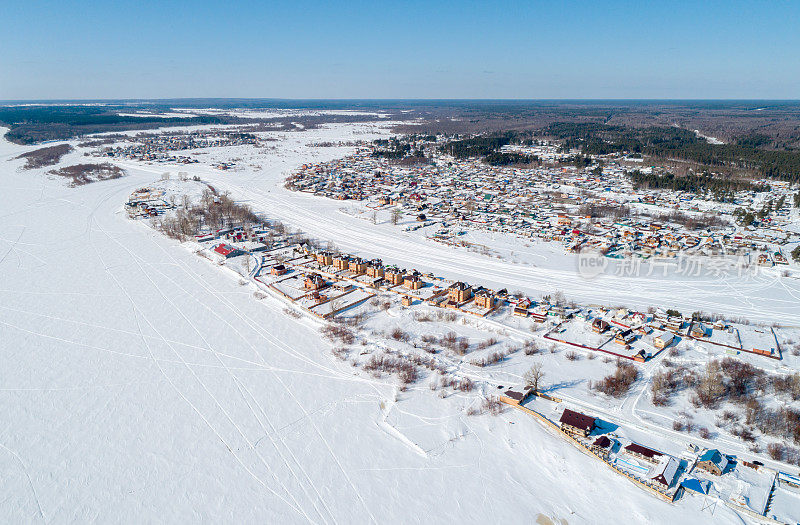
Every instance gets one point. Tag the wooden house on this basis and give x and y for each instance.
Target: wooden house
(576, 423)
(599, 325)
(665, 472)
(625, 337)
(647, 454)
(663, 340)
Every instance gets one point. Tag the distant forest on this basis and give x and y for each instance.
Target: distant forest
(748, 152)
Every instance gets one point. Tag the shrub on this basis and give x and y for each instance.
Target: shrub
(618, 383)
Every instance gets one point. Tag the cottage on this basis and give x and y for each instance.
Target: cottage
(278, 269)
(375, 269)
(341, 262)
(665, 471)
(394, 276)
(407, 300)
(647, 454)
(459, 292)
(713, 461)
(625, 337)
(576, 423)
(227, 251)
(357, 266)
(599, 325)
(314, 282)
(413, 281)
(602, 446)
(485, 299)
(325, 259)
(663, 340)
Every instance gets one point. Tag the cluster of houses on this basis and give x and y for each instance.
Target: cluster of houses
(147, 202)
(160, 147)
(551, 203)
(652, 467)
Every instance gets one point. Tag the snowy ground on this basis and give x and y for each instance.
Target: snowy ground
(139, 382)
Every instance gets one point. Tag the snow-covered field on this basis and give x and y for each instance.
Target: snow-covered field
(140, 382)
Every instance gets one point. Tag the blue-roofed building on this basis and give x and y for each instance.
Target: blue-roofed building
(696, 486)
(713, 461)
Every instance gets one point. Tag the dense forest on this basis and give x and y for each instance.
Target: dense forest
(721, 188)
(32, 124)
(677, 143)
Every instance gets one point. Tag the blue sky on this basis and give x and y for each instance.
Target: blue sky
(58, 49)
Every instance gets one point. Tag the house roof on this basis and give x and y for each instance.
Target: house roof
(224, 249)
(666, 470)
(644, 451)
(602, 442)
(714, 456)
(577, 420)
(695, 485)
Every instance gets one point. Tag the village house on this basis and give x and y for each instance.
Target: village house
(278, 269)
(394, 276)
(647, 454)
(459, 292)
(602, 446)
(713, 461)
(314, 282)
(515, 397)
(485, 299)
(341, 262)
(663, 340)
(325, 259)
(576, 424)
(665, 471)
(227, 251)
(413, 281)
(599, 325)
(521, 308)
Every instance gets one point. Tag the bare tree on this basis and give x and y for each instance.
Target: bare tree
(533, 377)
(397, 213)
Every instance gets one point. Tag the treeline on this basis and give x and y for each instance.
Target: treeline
(723, 188)
(476, 146)
(397, 150)
(32, 124)
(677, 143)
(497, 158)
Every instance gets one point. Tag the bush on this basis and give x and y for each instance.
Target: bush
(618, 383)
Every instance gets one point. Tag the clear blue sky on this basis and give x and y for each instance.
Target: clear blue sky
(530, 49)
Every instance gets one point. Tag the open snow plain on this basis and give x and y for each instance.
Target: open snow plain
(139, 382)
